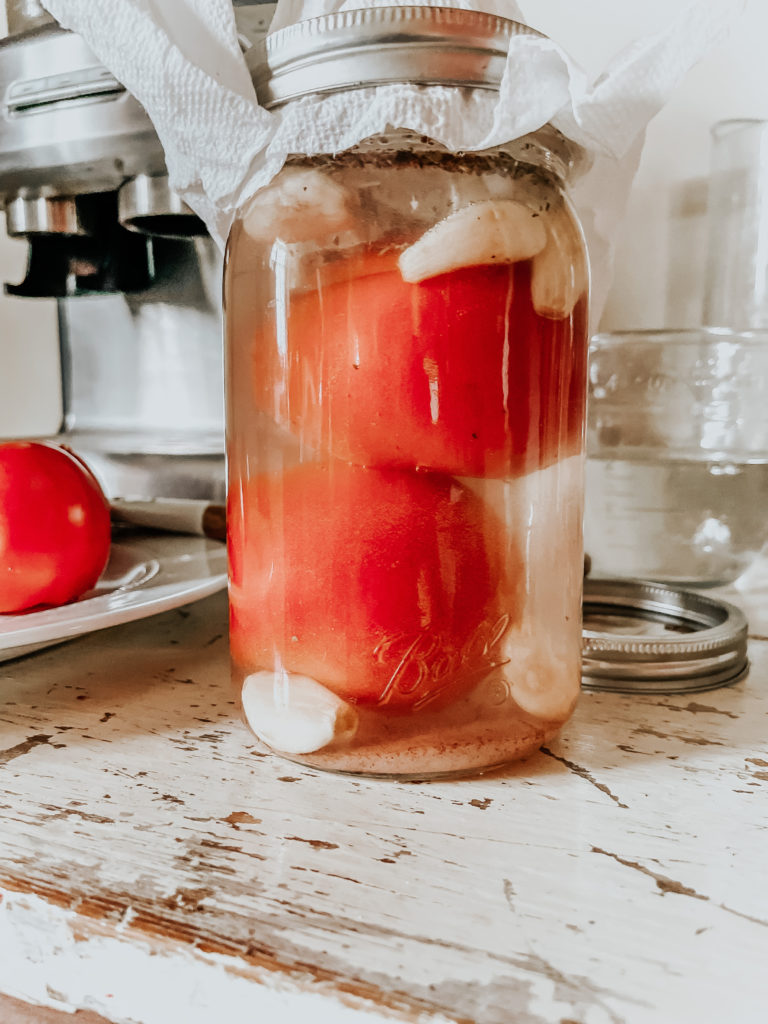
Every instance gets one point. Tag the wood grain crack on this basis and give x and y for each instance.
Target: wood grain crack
(662, 882)
(22, 748)
(666, 885)
(509, 894)
(584, 774)
(69, 812)
(316, 844)
(693, 708)
(697, 741)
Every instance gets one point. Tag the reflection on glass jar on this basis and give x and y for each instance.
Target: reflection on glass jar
(406, 347)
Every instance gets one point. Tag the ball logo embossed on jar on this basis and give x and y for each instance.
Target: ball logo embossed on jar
(428, 668)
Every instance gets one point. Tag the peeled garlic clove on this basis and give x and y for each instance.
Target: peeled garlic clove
(493, 231)
(540, 683)
(544, 688)
(559, 274)
(544, 695)
(295, 714)
(301, 205)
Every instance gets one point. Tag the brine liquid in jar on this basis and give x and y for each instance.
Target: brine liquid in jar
(406, 348)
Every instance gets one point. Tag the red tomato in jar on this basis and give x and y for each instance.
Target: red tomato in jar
(457, 373)
(54, 526)
(384, 585)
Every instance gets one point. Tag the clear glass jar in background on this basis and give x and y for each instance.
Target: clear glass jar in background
(736, 281)
(677, 444)
(406, 336)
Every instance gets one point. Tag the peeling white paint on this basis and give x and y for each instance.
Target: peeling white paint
(130, 981)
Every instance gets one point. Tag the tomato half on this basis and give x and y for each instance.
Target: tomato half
(457, 373)
(384, 585)
(54, 526)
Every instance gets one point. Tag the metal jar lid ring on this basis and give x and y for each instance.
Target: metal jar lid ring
(380, 45)
(642, 637)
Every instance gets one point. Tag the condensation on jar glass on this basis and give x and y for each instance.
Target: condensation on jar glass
(406, 364)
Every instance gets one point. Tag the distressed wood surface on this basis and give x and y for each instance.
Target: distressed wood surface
(13, 1011)
(154, 867)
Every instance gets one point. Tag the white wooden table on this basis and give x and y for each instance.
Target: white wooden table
(155, 869)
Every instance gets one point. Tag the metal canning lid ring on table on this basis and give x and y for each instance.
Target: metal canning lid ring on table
(643, 637)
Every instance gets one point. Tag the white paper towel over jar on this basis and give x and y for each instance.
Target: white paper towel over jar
(183, 61)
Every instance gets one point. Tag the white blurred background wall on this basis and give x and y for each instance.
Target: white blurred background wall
(661, 247)
(659, 267)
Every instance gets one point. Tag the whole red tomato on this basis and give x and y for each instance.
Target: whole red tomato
(54, 526)
(384, 585)
(457, 373)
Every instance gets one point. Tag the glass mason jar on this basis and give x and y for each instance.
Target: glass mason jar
(406, 337)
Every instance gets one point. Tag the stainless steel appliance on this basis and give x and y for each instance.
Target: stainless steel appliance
(135, 275)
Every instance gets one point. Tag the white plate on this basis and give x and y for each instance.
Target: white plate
(145, 575)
